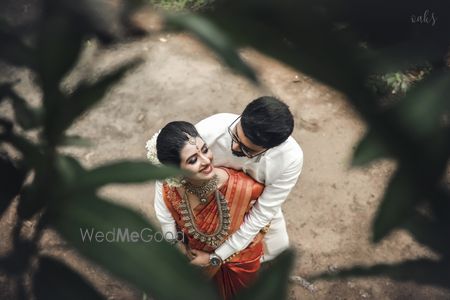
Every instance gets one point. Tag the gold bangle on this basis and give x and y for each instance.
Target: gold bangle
(231, 257)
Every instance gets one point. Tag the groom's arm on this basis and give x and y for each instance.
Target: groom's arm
(163, 214)
(269, 203)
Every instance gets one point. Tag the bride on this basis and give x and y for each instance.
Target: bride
(207, 205)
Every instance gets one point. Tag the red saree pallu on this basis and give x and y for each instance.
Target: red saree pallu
(240, 270)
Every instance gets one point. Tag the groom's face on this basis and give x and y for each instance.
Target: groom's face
(241, 146)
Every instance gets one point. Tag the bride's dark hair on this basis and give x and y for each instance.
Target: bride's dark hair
(172, 139)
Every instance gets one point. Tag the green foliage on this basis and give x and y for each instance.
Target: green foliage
(78, 102)
(369, 149)
(12, 179)
(398, 82)
(26, 117)
(214, 39)
(122, 172)
(272, 283)
(424, 105)
(55, 280)
(14, 50)
(154, 267)
(398, 204)
(422, 271)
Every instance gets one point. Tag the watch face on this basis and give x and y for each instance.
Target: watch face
(215, 261)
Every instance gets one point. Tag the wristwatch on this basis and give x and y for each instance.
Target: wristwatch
(214, 260)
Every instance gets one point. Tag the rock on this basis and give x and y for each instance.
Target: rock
(332, 269)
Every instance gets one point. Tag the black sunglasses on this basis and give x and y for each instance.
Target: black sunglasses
(244, 149)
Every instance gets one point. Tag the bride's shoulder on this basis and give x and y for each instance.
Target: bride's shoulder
(223, 174)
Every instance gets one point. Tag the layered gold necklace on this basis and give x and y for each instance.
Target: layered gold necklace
(216, 238)
(202, 191)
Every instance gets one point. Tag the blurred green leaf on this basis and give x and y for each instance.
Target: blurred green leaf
(124, 172)
(59, 45)
(87, 96)
(298, 34)
(69, 171)
(6, 127)
(33, 156)
(12, 178)
(43, 190)
(429, 232)
(26, 116)
(273, 281)
(152, 265)
(370, 148)
(402, 55)
(215, 39)
(5, 89)
(440, 203)
(18, 261)
(14, 51)
(398, 203)
(423, 271)
(55, 280)
(75, 140)
(34, 196)
(424, 105)
(30, 202)
(103, 19)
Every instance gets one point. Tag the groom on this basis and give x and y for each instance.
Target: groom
(259, 143)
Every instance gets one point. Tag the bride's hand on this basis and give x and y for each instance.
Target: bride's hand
(182, 248)
(201, 258)
(185, 250)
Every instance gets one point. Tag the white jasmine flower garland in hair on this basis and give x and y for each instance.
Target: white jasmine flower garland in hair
(152, 156)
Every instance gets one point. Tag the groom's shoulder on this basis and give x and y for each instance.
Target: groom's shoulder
(293, 146)
(218, 119)
(288, 152)
(215, 124)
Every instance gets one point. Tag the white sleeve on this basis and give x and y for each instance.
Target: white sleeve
(268, 204)
(211, 128)
(163, 214)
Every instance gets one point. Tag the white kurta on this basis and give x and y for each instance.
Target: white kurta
(278, 169)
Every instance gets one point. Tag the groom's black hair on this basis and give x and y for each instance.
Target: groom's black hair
(172, 139)
(267, 122)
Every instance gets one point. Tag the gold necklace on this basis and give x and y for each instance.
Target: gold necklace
(202, 191)
(220, 233)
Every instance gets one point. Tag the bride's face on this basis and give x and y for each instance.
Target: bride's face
(197, 160)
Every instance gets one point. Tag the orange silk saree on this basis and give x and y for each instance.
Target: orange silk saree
(242, 268)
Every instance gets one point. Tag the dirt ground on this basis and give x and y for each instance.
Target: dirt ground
(328, 213)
